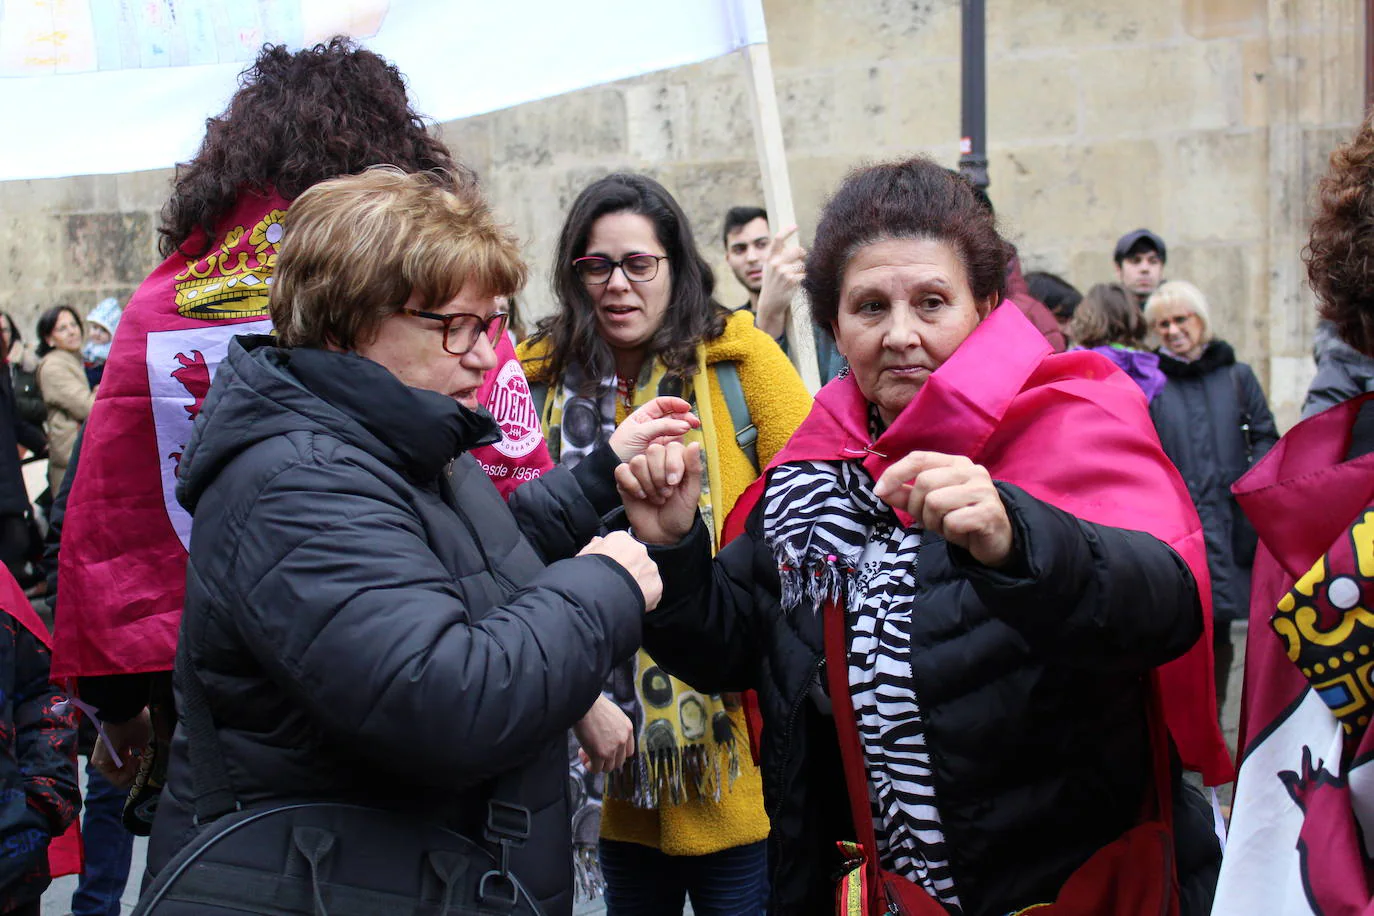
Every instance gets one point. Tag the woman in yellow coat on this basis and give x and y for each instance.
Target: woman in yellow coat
(683, 815)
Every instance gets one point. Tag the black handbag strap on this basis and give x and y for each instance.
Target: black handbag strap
(507, 824)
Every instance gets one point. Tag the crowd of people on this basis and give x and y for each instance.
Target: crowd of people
(368, 600)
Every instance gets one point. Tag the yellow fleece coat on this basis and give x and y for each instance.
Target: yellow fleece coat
(778, 402)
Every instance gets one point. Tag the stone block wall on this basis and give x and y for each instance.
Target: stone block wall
(1205, 120)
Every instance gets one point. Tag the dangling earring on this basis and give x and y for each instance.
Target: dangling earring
(844, 370)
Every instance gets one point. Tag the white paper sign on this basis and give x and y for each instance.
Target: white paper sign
(108, 86)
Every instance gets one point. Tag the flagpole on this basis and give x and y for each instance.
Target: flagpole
(777, 196)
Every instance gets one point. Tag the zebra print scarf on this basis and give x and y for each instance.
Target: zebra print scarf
(834, 540)
(817, 519)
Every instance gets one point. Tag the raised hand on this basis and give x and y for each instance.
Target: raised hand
(660, 490)
(631, 554)
(954, 498)
(660, 421)
(783, 272)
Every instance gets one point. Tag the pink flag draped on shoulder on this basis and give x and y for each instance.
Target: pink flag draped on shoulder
(122, 568)
(1302, 823)
(1071, 429)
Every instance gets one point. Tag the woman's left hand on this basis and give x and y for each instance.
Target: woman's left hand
(607, 737)
(660, 421)
(954, 498)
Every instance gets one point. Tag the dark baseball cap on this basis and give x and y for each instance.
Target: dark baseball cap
(1132, 239)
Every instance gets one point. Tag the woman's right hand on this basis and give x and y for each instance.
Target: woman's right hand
(634, 557)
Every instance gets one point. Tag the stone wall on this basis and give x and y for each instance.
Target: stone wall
(1205, 120)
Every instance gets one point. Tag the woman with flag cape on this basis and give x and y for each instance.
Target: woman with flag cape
(970, 594)
(297, 119)
(1303, 815)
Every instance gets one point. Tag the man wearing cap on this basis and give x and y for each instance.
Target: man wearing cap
(1140, 257)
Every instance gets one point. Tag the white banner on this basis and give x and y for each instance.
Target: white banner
(108, 86)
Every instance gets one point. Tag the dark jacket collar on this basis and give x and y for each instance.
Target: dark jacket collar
(1218, 355)
(262, 390)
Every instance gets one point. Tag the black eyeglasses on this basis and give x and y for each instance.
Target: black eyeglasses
(462, 329)
(638, 268)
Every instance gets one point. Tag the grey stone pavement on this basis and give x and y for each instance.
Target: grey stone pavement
(57, 901)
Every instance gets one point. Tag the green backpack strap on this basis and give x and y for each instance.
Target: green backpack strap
(746, 433)
(539, 393)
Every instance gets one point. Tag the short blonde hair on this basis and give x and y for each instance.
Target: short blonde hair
(356, 248)
(1180, 293)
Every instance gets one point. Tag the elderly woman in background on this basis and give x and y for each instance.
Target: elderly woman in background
(66, 390)
(1108, 322)
(951, 591)
(1214, 423)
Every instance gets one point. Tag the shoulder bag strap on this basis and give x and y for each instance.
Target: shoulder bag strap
(746, 433)
(855, 774)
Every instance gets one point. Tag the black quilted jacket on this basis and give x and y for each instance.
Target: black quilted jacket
(1031, 682)
(39, 798)
(371, 622)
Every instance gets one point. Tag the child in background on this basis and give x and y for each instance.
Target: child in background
(101, 325)
(1108, 322)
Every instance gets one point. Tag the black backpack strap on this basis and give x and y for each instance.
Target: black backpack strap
(746, 433)
(213, 793)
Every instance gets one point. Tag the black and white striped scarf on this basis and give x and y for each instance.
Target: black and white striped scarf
(834, 540)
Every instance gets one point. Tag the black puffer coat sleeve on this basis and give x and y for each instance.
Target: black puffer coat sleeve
(1088, 595)
(560, 511)
(337, 592)
(706, 629)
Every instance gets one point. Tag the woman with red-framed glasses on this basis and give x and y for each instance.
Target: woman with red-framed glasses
(636, 319)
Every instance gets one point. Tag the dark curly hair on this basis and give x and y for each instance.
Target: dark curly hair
(296, 120)
(911, 199)
(692, 316)
(1341, 247)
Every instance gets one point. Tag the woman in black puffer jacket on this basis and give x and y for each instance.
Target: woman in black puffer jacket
(995, 625)
(1214, 423)
(369, 620)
